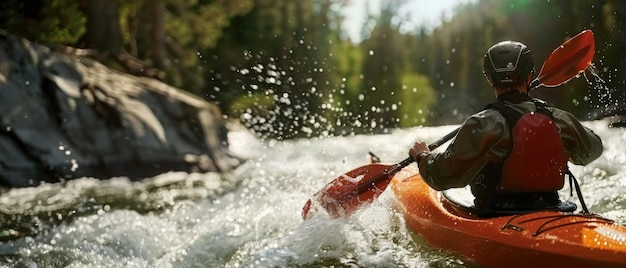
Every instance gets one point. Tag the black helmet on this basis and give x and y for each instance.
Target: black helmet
(508, 63)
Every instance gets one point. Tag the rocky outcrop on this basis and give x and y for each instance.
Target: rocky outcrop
(65, 116)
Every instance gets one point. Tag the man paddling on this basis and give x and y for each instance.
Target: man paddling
(514, 153)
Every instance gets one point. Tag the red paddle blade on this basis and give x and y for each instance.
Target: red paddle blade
(341, 198)
(568, 60)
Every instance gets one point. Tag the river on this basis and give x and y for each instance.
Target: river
(251, 218)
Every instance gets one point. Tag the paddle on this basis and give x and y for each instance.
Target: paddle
(347, 193)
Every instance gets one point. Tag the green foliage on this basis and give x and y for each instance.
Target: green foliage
(417, 97)
(54, 21)
(382, 69)
(64, 23)
(282, 48)
(200, 23)
(252, 105)
(286, 70)
(348, 61)
(128, 10)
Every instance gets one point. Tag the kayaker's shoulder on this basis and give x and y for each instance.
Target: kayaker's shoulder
(486, 114)
(488, 120)
(492, 112)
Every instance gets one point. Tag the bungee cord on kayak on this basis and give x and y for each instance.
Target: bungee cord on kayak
(518, 222)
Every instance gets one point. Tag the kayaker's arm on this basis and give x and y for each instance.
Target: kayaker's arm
(483, 141)
(581, 144)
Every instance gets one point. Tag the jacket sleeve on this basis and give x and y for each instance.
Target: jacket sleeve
(479, 140)
(581, 143)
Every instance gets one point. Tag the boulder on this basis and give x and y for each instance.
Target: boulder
(65, 116)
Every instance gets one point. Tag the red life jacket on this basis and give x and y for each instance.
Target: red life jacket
(538, 161)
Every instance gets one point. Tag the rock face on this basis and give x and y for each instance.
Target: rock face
(64, 116)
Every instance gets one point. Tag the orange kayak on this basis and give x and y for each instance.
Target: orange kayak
(537, 239)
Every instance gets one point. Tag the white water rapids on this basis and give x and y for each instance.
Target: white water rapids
(251, 218)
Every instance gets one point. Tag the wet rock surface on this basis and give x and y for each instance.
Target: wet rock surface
(65, 116)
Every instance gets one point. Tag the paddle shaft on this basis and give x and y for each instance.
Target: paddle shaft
(431, 147)
(388, 173)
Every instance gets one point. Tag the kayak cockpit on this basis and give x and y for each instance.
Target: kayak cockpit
(462, 199)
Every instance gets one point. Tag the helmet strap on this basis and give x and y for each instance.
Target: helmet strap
(529, 81)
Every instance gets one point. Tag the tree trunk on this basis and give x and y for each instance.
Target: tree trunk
(157, 34)
(103, 27)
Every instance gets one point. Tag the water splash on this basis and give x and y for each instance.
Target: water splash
(603, 101)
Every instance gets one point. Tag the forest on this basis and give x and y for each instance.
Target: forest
(286, 69)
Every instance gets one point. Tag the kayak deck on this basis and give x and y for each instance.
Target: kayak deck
(521, 240)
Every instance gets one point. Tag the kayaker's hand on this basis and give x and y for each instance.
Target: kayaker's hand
(419, 151)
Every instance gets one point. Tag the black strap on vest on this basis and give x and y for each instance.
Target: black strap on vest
(512, 116)
(572, 180)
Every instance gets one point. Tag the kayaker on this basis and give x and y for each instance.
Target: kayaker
(510, 154)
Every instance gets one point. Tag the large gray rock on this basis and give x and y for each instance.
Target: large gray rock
(64, 116)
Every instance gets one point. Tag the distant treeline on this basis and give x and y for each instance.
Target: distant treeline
(286, 69)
